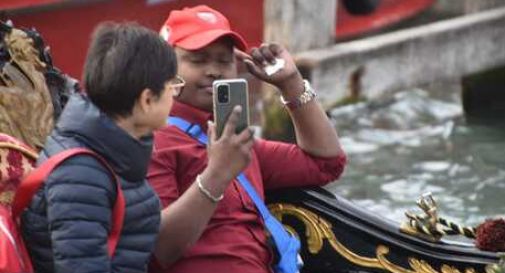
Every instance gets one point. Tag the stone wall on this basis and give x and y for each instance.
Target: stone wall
(466, 6)
(370, 67)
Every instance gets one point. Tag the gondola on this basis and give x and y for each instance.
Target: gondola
(339, 236)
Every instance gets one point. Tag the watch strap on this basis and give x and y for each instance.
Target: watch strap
(305, 97)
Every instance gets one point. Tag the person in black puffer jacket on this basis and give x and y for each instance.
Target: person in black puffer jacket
(129, 76)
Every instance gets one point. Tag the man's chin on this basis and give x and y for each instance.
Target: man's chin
(204, 104)
(207, 108)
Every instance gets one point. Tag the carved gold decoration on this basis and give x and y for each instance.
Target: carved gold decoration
(25, 166)
(407, 228)
(26, 107)
(497, 267)
(425, 226)
(29, 153)
(318, 229)
(470, 270)
(430, 226)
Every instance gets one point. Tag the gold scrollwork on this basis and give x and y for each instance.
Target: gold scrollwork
(318, 229)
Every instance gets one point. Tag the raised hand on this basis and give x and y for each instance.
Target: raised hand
(285, 79)
(231, 153)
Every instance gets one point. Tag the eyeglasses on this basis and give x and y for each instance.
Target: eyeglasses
(177, 83)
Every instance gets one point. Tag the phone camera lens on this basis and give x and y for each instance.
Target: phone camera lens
(223, 94)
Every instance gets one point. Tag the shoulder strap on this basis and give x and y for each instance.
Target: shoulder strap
(192, 129)
(287, 245)
(36, 178)
(196, 132)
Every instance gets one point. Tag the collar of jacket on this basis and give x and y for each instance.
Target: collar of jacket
(128, 156)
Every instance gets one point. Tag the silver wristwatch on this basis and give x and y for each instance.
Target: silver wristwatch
(307, 96)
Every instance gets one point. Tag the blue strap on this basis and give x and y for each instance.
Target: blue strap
(287, 245)
(191, 129)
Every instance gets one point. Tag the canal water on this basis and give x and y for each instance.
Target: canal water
(416, 142)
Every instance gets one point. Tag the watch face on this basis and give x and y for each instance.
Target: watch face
(308, 87)
(307, 95)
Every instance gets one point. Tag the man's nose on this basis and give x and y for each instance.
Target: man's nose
(213, 71)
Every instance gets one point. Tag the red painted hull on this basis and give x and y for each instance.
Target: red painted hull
(67, 29)
(67, 25)
(387, 13)
(23, 4)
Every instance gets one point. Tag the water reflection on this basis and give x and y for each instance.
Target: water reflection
(412, 143)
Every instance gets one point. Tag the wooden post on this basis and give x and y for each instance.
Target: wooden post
(299, 25)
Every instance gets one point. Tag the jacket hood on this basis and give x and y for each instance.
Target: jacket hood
(128, 156)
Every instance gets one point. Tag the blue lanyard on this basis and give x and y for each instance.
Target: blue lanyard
(197, 133)
(283, 240)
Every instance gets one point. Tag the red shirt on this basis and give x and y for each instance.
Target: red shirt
(234, 240)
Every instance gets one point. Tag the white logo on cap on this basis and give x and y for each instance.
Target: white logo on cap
(207, 17)
(165, 33)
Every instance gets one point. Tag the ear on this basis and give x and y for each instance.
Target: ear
(145, 100)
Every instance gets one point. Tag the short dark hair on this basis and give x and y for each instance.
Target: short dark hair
(122, 61)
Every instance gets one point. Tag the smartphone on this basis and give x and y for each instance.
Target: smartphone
(226, 94)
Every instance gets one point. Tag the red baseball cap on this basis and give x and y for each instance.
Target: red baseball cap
(197, 27)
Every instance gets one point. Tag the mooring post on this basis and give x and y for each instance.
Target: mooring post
(299, 25)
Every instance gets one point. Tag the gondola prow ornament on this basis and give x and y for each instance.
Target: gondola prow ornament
(489, 236)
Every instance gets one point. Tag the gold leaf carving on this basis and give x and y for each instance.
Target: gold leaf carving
(319, 229)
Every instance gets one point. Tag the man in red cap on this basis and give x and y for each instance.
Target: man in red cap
(211, 224)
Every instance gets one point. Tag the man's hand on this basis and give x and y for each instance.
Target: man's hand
(288, 79)
(231, 153)
(314, 132)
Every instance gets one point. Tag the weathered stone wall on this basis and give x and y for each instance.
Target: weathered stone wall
(466, 6)
(444, 50)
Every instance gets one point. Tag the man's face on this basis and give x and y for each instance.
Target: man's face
(199, 68)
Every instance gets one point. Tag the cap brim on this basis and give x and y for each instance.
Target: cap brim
(197, 41)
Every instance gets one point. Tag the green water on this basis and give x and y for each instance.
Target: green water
(414, 143)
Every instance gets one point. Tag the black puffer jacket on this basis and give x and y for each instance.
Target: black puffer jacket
(68, 221)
